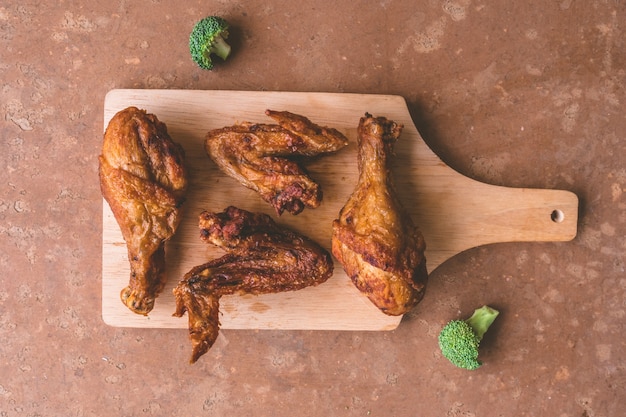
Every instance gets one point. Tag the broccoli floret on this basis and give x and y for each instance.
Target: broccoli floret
(459, 339)
(209, 37)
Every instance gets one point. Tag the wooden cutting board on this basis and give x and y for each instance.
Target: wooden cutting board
(454, 212)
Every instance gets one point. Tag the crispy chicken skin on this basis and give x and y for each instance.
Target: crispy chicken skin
(374, 238)
(261, 257)
(260, 156)
(143, 179)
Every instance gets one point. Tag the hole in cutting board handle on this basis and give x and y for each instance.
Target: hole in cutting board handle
(557, 216)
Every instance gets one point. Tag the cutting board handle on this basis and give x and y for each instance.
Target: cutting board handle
(482, 214)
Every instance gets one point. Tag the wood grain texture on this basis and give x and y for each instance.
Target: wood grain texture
(454, 212)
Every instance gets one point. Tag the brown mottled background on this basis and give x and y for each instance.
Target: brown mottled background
(527, 94)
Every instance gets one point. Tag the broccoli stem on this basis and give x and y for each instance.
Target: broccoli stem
(220, 47)
(480, 321)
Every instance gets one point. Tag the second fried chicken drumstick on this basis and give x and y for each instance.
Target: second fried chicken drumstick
(143, 179)
(261, 257)
(374, 238)
(260, 156)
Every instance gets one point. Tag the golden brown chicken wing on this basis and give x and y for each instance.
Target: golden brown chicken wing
(143, 179)
(258, 156)
(374, 238)
(261, 258)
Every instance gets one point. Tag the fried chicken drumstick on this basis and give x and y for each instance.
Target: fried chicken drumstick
(374, 238)
(143, 179)
(261, 257)
(258, 156)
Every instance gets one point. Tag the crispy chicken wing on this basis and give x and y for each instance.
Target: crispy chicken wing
(143, 179)
(374, 238)
(261, 257)
(259, 157)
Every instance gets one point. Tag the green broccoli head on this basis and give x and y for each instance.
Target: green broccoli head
(459, 339)
(208, 37)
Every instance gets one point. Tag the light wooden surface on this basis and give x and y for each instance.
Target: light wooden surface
(454, 212)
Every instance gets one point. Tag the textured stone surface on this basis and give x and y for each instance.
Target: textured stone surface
(527, 94)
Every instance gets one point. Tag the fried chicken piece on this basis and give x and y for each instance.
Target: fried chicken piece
(374, 238)
(262, 257)
(143, 179)
(260, 156)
